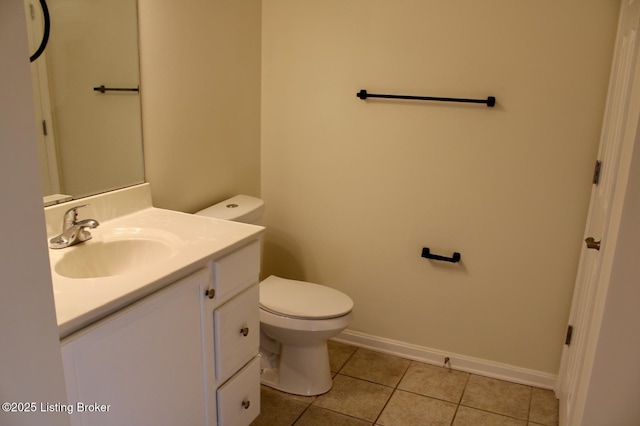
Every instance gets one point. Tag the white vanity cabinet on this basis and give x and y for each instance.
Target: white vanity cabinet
(185, 355)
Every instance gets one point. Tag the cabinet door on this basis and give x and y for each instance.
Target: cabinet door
(143, 365)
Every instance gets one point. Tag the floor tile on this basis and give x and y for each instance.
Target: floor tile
(316, 416)
(497, 396)
(277, 410)
(354, 397)
(436, 382)
(471, 417)
(376, 367)
(339, 353)
(544, 407)
(371, 387)
(408, 409)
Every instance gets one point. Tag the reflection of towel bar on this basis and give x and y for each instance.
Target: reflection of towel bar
(490, 101)
(103, 89)
(453, 259)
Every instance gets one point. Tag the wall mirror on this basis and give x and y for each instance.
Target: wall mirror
(86, 92)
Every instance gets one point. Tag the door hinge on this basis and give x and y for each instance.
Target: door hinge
(567, 339)
(596, 172)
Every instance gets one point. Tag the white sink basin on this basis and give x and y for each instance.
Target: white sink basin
(122, 251)
(111, 258)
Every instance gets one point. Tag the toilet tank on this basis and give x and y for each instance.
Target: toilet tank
(241, 208)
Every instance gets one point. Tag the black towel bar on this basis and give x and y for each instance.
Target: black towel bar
(490, 101)
(103, 89)
(453, 259)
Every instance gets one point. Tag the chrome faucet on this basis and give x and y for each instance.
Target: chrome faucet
(73, 231)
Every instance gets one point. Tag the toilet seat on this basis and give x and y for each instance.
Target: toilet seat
(302, 300)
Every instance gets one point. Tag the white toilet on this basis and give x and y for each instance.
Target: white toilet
(296, 317)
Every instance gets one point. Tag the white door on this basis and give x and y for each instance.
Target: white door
(618, 135)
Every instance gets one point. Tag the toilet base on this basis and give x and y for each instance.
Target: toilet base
(299, 370)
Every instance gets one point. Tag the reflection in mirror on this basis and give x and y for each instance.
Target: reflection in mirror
(90, 141)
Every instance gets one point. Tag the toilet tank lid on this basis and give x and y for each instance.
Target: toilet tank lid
(301, 299)
(241, 208)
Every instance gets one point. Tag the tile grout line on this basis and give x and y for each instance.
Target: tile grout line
(317, 396)
(301, 414)
(347, 361)
(495, 412)
(530, 404)
(460, 398)
(395, 388)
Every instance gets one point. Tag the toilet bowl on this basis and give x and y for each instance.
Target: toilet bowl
(297, 318)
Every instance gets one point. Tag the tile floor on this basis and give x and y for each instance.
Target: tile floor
(374, 388)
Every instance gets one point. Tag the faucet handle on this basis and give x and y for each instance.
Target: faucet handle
(70, 216)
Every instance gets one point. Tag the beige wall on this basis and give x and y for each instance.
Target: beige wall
(200, 73)
(31, 365)
(355, 189)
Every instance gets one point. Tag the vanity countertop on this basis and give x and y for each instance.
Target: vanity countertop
(193, 241)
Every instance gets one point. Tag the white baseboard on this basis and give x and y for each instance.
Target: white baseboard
(468, 364)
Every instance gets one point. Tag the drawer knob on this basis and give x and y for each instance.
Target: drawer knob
(244, 331)
(210, 293)
(246, 403)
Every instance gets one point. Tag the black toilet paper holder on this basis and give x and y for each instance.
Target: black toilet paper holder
(453, 259)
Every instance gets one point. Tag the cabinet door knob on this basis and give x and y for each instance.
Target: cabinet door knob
(210, 293)
(592, 243)
(246, 403)
(244, 331)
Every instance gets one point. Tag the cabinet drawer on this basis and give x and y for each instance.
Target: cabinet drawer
(237, 270)
(239, 398)
(236, 332)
